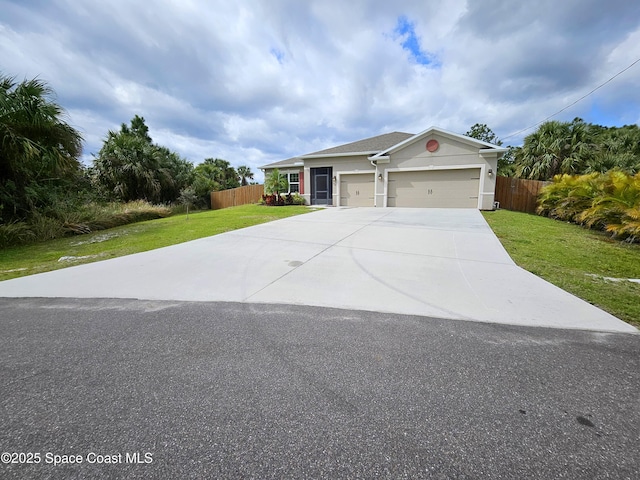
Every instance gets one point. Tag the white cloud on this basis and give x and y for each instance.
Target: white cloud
(255, 81)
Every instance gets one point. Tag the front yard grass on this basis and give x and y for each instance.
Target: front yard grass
(573, 258)
(134, 238)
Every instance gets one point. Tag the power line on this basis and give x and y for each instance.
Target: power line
(571, 105)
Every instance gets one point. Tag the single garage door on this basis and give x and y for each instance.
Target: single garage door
(357, 190)
(434, 188)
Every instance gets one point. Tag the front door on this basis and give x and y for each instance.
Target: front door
(321, 193)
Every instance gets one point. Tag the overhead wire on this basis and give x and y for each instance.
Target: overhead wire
(572, 104)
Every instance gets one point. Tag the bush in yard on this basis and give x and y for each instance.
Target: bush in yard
(298, 199)
(609, 202)
(272, 199)
(617, 210)
(15, 233)
(569, 195)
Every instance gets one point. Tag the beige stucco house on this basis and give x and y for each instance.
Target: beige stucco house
(435, 168)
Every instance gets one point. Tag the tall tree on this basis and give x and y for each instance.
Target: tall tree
(481, 132)
(245, 174)
(555, 148)
(130, 166)
(39, 150)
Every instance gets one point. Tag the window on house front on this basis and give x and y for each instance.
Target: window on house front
(294, 182)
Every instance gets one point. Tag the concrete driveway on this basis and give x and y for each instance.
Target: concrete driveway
(443, 263)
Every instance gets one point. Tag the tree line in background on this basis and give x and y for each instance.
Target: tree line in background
(45, 191)
(568, 148)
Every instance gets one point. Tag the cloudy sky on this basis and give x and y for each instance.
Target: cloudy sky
(256, 81)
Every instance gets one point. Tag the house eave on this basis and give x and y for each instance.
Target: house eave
(287, 165)
(347, 154)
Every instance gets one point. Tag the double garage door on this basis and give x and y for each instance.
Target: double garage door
(457, 188)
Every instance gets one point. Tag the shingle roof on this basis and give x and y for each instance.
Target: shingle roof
(373, 144)
(289, 162)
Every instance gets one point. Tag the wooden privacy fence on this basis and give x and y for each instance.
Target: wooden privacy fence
(518, 194)
(236, 196)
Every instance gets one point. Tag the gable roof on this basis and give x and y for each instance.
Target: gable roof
(431, 130)
(368, 145)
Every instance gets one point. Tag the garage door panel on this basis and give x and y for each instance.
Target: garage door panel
(434, 188)
(357, 190)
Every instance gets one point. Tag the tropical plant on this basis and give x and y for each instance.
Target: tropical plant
(275, 184)
(609, 202)
(213, 175)
(130, 167)
(39, 151)
(569, 195)
(555, 148)
(298, 199)
(245, 174)
(616, 209)
(187, 198)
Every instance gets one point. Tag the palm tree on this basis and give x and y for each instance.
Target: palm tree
(244, 173)
(127, 167)
(130, 166)
(36, 144)
(555, 148)
(275, 183)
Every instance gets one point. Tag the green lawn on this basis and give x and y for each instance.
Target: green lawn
(134, 238)
(573, 258)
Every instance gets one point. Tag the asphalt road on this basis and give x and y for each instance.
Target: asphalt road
(237, 390)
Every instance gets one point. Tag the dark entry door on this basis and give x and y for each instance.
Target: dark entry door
(321, 186)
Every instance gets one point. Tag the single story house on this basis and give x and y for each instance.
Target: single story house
(435, 168)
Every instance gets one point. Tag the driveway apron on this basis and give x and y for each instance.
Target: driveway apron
(444, 263)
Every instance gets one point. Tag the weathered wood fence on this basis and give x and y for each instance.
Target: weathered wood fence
(236, 196)
(518, 194)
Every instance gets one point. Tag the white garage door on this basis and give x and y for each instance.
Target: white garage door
(434, 188)
(357, 190)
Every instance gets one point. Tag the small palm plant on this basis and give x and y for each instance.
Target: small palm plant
(188, 197)
(274, 185)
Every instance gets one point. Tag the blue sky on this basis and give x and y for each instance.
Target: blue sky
(406, 31)
(260, 81)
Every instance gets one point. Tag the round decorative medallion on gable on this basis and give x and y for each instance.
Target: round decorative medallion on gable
(432, 145)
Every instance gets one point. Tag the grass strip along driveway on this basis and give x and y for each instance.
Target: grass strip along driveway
(134, 238)
(586, 263)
